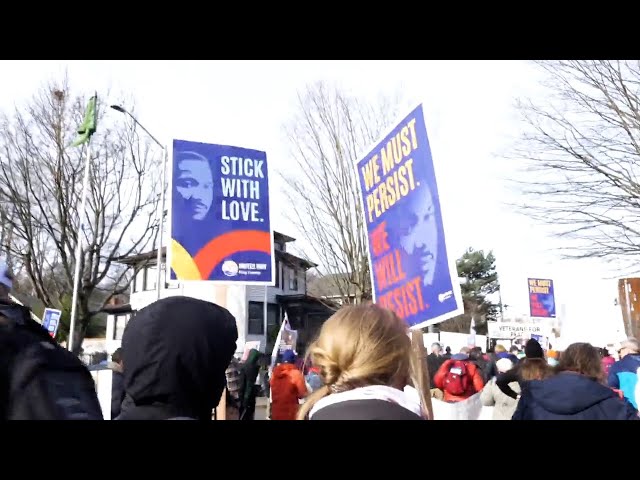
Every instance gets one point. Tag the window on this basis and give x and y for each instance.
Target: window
(164, 277)
(151, 276)
(138, 281)
(293, 279)
(277, 285)
(119, 324)
(256, 317)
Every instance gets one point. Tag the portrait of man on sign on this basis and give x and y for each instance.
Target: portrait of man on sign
(419, 238)
(192, 200)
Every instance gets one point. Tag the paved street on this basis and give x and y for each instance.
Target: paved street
(261, 408)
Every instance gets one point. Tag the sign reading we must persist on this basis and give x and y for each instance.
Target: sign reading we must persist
(411, 269)
(542, 301)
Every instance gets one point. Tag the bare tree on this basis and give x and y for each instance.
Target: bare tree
(327, 134)
(583, 155)
(40, 188)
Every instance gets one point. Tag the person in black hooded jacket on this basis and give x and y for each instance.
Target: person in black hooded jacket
(176, 351)
(531, 350)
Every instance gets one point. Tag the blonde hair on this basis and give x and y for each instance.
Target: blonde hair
(499, 348)
(359, 346)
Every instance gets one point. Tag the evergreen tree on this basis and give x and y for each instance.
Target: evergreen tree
(478, 280)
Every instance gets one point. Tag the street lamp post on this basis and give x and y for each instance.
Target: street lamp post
(159, 282)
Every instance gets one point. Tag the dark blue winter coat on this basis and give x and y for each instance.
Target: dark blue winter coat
(571, 396)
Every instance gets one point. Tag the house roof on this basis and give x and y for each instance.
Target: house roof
(141, 257)
(287, 257)
(302, 298)
(328, 285)
(115, 309)
(281, 237)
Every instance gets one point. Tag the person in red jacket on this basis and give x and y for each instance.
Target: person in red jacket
(287, 388)
(458, 378)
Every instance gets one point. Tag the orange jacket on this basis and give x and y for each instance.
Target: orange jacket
(287, 387)
(476, 384)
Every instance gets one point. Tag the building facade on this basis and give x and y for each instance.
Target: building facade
(245, 302)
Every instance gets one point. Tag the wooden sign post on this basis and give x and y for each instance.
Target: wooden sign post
(221, 409)
(422, 369)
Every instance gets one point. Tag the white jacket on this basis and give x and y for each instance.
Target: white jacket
(504, 405)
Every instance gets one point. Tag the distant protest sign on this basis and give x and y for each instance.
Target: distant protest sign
(542, 302)
(506, 330)
(51, 320)
(412, 270)
(220, 215)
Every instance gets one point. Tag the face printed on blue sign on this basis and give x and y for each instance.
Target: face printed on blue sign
(421, 238)
(194, 183)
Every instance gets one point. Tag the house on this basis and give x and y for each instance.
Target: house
(333, 287)
(245, 302)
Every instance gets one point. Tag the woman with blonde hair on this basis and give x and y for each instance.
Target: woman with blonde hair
(365, 360)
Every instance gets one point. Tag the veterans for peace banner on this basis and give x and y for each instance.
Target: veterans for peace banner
(542, 302)
(412, 270)
(220, 217)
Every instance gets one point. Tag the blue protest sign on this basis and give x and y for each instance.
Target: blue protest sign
(220, 215)
(542, 302)
(412, 270)
(51, 320)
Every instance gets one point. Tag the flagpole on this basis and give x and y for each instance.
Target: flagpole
(76, 275)
(159, 279)
(264, 319)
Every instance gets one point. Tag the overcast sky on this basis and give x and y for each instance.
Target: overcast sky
(471, 121)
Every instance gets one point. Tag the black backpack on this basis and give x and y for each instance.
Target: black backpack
(40, 380)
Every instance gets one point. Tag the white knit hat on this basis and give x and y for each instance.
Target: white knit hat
(504, 365)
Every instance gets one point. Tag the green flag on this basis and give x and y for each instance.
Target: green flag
(88, 126)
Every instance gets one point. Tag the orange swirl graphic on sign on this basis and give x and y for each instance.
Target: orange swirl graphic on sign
(214, 252)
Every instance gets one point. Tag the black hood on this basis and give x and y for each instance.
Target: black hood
(175, 353)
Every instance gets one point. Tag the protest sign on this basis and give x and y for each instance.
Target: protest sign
(220, 215)
(542, 302)
(412, 271)
(51, 320)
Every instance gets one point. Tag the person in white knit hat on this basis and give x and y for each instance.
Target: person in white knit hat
(491, 396)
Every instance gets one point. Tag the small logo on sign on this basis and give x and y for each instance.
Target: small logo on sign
(444, 296)
(230, 268)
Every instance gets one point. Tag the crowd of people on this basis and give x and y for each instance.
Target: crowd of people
(581, 383)
(361, 368)
(177, 360)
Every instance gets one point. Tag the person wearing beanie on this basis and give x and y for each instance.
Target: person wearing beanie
(532, 350)
(289, 357)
